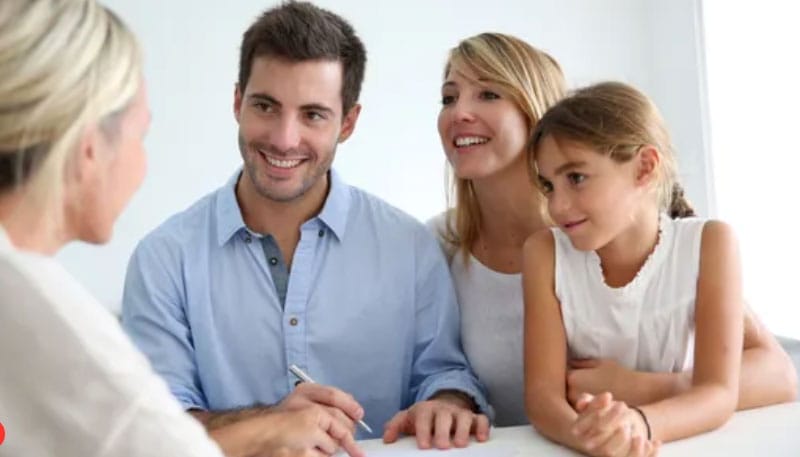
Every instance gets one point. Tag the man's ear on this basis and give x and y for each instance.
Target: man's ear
(349, 123)
(648, 159)
(237, 102)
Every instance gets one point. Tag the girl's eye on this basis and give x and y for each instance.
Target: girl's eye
(546, 186)
(447, 99)
(489, 95)
(576, 178)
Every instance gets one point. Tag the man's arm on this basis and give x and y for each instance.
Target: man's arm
(311, 428)
(154, 316)
(448, 394)
(213, 420)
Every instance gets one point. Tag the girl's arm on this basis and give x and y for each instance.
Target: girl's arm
(545, 349)
(545, 343)
(713, 395)
(767, 375)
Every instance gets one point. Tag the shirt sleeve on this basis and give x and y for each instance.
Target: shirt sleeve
(439, 360)
(154, 316)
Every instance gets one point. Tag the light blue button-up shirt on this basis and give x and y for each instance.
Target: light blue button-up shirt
(370, 308)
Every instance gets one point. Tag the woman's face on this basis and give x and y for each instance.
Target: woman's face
(116, 170)
(481, 128)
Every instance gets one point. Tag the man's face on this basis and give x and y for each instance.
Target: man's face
(290, 121)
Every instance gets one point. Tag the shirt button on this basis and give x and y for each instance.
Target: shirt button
(297, 383)
(321, 233)
(248, 239)
(293, 321)
(273, 261)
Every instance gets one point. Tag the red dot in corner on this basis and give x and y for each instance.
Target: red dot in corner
(2, 433)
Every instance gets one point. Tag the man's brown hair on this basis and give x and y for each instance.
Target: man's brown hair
(301, 31)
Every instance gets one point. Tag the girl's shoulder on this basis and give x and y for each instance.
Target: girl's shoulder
(698, 232)
(541, 245)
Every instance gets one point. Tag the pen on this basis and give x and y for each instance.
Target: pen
(306, 378)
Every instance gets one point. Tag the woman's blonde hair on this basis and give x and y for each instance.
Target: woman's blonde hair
(64, 66)
(531, 79)
(617, 120)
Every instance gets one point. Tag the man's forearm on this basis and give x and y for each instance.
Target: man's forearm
(213, 420)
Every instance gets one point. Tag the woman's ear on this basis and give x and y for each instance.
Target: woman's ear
(85, 161)
(648, 159)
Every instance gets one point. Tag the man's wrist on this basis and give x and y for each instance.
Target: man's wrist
(458, 398)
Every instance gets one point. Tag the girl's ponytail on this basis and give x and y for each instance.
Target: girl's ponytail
(679, 206)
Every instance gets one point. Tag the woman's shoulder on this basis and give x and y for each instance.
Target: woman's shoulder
(441, 225)
(438, 224)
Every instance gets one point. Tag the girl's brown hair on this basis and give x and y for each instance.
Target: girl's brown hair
(616, 120)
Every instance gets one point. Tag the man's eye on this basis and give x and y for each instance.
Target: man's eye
(314, 115)
(263, 106)
(448, 99)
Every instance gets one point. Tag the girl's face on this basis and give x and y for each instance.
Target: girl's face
(482, 130)
(591, 197)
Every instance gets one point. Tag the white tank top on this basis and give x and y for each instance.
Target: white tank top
(491, 328)
(646, 325)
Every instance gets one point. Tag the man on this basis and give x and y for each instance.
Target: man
(286, 264)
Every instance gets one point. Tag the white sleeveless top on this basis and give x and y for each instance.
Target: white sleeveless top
(646, 325)
(491, 329)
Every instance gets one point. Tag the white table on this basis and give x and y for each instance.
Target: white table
(772, 431)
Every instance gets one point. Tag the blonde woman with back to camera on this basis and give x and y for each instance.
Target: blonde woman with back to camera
(496, 88)
(73, 115)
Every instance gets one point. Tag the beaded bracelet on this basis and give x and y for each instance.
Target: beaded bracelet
(646, 422)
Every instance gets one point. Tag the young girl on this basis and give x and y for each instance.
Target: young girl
(625, 276)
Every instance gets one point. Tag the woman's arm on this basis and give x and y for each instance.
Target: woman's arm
(767, 375)
(713, 395)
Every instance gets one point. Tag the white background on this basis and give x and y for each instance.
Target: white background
(191, 50)
(754, 93)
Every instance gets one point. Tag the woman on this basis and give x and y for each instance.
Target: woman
(496, 89)
(73, 115)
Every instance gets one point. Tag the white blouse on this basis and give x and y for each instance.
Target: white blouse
(71, 383)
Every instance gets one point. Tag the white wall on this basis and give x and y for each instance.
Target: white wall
(191, 51)
(754, 94)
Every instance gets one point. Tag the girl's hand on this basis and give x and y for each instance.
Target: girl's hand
(606, 427)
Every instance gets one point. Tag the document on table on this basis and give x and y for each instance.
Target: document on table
(488, 449)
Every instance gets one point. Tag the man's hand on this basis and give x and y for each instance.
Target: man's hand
(606, 427)
(446, 419)
(339, 404)
(310, 429)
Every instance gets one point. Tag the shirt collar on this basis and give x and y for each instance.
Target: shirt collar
(333, 214)
(337, 206)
